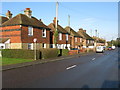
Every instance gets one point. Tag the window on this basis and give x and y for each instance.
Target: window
(60, 36)
(44, 33)
(66, 37)
(88, 41)
(75, 39)
(80, 39)
(30, 45)
(30, 31)
(44, 45)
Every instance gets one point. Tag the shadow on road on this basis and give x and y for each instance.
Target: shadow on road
(110, 84)
(85, 87)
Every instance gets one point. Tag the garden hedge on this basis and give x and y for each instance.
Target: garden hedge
(18, 53)
(49, 53)
(63, 52)
(29, 54)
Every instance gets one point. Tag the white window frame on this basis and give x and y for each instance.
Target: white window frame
(44, 45)
(80, 39)
(60, 36)
(30, 31)
(31, 46)
(44, 32)
(75, 39)
(66, 37)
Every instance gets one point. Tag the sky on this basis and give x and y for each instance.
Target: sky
(91, 16)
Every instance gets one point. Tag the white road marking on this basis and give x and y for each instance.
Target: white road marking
(93, 59)
(71, 67)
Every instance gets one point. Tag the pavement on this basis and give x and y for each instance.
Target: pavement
(26, 64)
(92, 70)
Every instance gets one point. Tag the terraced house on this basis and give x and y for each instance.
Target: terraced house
(22, 29)
(75, 38)
(87, 40)
(63, 40)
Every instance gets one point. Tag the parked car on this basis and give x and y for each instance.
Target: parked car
(113, 47)
(76, 49)
(109, 48)
(99, 49)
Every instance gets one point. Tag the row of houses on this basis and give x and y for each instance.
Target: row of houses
(20, 31)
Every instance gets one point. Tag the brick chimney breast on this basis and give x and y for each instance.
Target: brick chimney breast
(9, 15)
(28, 12)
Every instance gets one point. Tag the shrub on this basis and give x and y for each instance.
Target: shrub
(18, 53)
(63, 52)
(49, 53)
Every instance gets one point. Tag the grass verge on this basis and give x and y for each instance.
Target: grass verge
(8, 61)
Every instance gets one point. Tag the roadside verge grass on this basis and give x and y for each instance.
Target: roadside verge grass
(8, 61)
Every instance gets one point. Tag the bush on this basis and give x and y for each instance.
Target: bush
(18, 53)
(49, 53)
(63, 52)
(29, 54)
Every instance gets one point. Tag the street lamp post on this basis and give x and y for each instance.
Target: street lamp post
(35, 40)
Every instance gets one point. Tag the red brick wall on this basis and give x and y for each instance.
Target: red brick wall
(13, 35)
(37, 33)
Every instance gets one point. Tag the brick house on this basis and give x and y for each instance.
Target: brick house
(63, 40)
(87, 40)
(75, 38)
(23, 29)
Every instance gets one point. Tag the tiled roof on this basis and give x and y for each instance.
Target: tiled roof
(72, 32)
(59, 28)
(22, 19)
(3, 19)
(84, 35)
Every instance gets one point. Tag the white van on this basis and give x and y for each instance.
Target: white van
(100, 49)
(113, 47)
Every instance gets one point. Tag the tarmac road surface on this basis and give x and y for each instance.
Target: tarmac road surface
(95, 70)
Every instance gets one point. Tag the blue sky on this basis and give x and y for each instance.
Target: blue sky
(90, 16)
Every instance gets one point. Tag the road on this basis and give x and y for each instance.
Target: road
(95, 70)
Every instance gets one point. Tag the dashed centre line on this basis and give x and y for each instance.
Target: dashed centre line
(93, 59)
(71, 67)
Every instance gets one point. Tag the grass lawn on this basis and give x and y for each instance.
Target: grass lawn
(8, 61)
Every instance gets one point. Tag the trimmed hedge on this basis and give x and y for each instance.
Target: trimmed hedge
(29, 54)
(49, 53)
(63, 52)
(18, 53)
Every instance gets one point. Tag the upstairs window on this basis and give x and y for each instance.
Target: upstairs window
(80, 39)
(75, 39)
(30, 31)
(60, 36)
(66, 37)
(44, 33)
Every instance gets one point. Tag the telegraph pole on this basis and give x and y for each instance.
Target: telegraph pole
(96, 32)
(91, 32)
(56, 15)
(56, 23)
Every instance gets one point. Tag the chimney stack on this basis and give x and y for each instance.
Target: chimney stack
(80, 28)
(54, 21)
(28, 12)
(9, 15)
(84, 31)
(40, 20)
